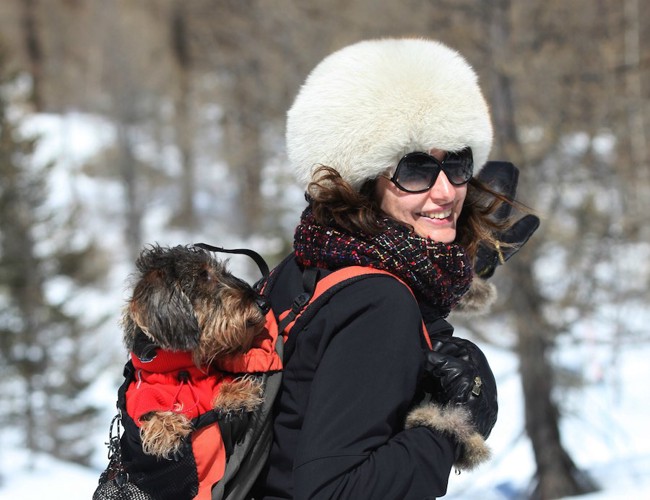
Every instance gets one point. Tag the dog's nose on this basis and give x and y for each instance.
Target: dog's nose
(263, 303)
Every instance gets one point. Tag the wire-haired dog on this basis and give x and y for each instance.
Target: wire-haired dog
(186, 311)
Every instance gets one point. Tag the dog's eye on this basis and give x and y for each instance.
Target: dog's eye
(204, 275)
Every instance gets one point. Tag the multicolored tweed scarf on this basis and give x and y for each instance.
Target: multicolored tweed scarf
(438, 273)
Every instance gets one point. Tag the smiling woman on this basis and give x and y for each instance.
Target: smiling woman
(384, 135)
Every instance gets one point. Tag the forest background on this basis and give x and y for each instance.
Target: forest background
(180, 107)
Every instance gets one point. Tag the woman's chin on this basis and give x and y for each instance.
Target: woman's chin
(441, 233)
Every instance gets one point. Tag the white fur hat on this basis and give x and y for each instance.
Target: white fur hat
(365, 106)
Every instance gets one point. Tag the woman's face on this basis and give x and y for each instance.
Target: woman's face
(432, 214)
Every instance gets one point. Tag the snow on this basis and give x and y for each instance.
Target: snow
(603, 429)
(604, 439)
(46, 477)
(602, 433)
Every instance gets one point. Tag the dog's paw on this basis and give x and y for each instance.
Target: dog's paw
(162, 433)
(242, 394)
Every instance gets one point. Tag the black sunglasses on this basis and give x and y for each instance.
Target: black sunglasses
(417, 172)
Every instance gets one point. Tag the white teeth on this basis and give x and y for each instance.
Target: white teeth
(438, 215)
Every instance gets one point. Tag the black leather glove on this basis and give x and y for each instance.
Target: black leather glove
(503, 177)
(460, 375)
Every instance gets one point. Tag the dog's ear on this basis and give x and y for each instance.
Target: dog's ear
(130, 328)
(164, 313)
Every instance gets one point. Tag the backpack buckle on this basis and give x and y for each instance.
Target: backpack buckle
(300, 302)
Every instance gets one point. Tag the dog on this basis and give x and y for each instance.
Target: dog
(185, 312)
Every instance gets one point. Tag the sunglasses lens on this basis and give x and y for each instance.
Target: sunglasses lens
(459, 166)
(416, 172)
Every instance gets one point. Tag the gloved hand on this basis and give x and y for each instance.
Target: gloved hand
(462, 399)
(503, 177)
(460, 375)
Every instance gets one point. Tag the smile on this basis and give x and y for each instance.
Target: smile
(436, 215)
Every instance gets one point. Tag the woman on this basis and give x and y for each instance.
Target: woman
(385, 135)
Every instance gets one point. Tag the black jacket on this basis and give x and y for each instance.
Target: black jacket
(351, 375)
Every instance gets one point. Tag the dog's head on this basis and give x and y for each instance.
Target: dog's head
(186, 300)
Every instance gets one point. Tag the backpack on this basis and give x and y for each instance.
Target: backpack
(247, 438)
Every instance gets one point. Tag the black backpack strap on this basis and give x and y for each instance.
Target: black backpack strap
(250, 454)
(259, 260)
(310, 277)
(265, 284)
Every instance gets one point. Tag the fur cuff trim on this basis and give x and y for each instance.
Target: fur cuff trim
(478, 299)
(453, 421)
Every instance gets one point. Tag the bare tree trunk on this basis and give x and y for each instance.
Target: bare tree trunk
(29, 300)
(129, 176)
(34, 51)
(637, 108)
(248, 71)
(184, 113)
(557, 475)
(244, 150)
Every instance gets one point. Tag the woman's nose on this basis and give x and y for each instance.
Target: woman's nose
(442, 190)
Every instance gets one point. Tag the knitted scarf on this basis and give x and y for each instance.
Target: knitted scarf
(438, 273)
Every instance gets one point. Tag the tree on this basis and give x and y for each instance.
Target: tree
(43, 347)
(184, 122)
(557, 475)
(556, 92)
